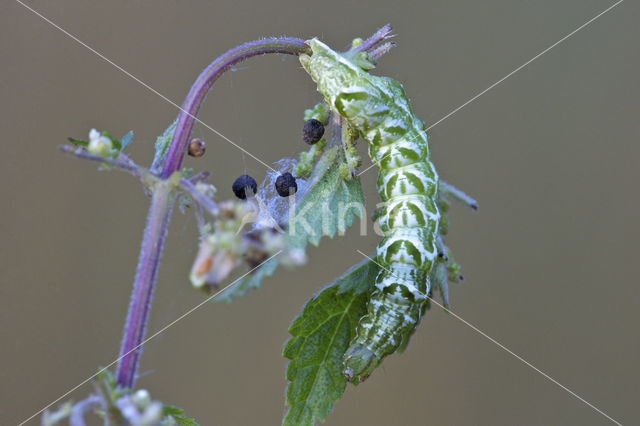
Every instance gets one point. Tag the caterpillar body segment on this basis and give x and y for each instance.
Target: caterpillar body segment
(379, 110)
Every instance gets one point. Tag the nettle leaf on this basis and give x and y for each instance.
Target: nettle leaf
(177, 414)
(327, 206)
(116, 143)
(119, 145)
(162, 144)
(321, 335)
(126, 140)
(250, 281)
(78, 142)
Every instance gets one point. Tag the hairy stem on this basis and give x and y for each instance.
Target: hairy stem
(144, 283)
(123, 162)
(195, 98)
(163, 199)
(163, 196)
(81, 408)
(380, 36)
(201, 199)
(458, 195)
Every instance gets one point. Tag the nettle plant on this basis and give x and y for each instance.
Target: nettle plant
(344, 332)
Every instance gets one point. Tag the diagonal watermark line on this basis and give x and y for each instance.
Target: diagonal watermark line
(513, 72)
(266, 165)
(371, 166)
(127, 73)
(157, 333)
(525, 64)
(506, 349)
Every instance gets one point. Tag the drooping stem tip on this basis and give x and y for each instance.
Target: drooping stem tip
(202, 85)
(163, 196)
(382, 35)
(163, 199)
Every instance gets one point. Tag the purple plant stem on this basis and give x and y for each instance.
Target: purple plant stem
(164, 196)
(383, 34)
(200, 88)
(144, 283)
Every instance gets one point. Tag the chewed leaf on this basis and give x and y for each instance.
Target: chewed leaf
(321, 335)
(323, 206)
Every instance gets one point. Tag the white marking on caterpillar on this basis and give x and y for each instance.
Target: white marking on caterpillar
(378, 108)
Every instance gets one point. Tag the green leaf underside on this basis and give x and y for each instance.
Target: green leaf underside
(328, 195)
(328, 190)
(162, 144)
(126, 140)
(252, 280)
(320, 336)
(78, 141)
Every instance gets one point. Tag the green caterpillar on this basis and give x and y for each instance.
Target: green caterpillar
(379, 110)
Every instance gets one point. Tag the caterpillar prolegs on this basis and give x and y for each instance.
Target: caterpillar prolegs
(408, 186)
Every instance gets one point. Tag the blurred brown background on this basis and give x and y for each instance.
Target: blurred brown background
(550, 259)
